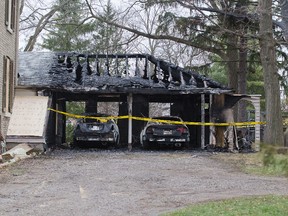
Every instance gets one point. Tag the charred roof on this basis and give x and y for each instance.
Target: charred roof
(114, 73)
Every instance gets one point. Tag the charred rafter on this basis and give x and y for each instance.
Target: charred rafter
(110, 73)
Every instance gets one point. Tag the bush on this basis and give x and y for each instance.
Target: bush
(69, 133)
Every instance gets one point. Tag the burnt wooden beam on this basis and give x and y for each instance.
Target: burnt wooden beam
(91, 105)
(73, 72)
(218, 105)
(188, 75)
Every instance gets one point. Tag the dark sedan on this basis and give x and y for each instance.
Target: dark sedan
(89, 131)
(157, 132)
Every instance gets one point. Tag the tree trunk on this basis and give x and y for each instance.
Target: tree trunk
(242, 80)
(274, 127)
(233, 66)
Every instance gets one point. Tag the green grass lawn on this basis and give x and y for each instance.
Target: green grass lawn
(255, 206)
(267, 162)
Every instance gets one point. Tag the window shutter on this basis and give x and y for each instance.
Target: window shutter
(4, 83)
(11, 86)
(13, 14)
(6, 12)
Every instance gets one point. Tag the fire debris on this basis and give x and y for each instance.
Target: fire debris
(116, 73)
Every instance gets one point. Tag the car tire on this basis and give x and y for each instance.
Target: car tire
(75, 144)
(145, 145)
(117, 141)
(186, 145)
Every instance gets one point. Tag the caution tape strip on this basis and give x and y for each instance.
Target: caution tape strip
(105, 119)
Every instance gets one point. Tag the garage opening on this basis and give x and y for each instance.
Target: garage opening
(138, 83)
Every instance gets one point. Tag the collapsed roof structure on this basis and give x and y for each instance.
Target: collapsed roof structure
(117, 73)
(133, 80)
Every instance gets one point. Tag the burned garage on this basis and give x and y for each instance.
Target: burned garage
(133, 81)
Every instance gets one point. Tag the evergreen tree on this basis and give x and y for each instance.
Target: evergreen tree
(106, 38)
(68, 31)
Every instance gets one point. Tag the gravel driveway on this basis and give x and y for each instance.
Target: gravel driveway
(85, 182)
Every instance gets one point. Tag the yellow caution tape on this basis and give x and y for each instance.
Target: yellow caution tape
(105, 119)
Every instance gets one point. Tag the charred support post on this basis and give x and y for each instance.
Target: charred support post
(51, 127)
(61, 123)
(145, 76)
(123, 123)
(202, 121)
(91, 105)
(218, 106)
(106, 71)
(130, 101)
(97, 71)
(79, 76)
(137, 70)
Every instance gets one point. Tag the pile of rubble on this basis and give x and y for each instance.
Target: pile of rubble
(17, 153)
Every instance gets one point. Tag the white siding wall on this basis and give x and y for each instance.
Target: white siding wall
(8, 47)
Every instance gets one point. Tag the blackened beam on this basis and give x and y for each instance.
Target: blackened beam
(102, 55)
(231, 100)
(175, 70)
(146, 91)
(188, 75)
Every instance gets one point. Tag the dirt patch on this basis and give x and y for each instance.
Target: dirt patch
(85, 182)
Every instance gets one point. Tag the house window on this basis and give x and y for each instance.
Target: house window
(8, 85)
(10, 14)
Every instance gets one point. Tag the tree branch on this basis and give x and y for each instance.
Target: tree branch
(41, 26)
(154, 36)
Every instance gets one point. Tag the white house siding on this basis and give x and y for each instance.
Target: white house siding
(8, 47)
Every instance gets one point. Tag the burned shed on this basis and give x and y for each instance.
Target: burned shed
(132, 80)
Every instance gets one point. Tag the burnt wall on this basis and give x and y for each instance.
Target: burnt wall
(91, 105)
(51, 126)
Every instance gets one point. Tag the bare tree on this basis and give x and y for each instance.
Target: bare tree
(35, 19)
(235, 38)
(146, 20)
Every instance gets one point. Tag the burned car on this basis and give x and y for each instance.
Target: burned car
(91, 131)
(161, 131)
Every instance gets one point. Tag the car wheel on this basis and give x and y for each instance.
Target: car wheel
(145, 145)
(75, 144)
(117, 141)
(186, 145)
(178, 146)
